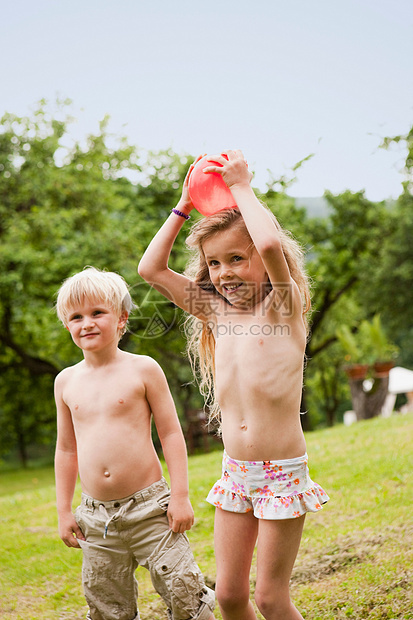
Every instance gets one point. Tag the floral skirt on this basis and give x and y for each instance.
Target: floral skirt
(271, 489)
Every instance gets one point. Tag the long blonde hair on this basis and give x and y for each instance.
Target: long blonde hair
(200, 337)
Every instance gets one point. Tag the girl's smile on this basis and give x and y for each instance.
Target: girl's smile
(235, 267)
(231, 287)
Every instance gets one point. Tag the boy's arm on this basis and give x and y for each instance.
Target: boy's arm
(66, 470)
(153, 266)
(180, 513)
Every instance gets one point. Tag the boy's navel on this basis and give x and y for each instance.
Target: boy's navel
(107, 474)
(121, 401)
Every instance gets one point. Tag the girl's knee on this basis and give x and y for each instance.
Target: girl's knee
(232, 594)
(273, 602)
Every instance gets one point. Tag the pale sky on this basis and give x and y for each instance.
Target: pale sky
(278, 79)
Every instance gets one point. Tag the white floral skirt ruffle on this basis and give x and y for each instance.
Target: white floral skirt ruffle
(271, 489)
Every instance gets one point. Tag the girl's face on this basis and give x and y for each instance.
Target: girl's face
(235, 268)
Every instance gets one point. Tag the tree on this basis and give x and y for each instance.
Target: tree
(99, 202)
(338, 249)
(388, 281)
(61, 209)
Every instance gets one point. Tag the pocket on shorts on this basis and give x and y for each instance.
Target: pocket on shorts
(163, 500)
(81, 515)
(78, 517)
(176, 576)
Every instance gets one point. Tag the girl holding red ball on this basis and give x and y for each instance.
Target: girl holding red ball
(246, 294)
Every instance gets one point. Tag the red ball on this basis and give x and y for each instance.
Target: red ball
(208, 191)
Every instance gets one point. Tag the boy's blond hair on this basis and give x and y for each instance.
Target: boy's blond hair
(94, 285)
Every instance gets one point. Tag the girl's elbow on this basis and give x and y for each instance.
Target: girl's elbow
(145, 270)
(142, 270)
(269, 247)
(149, 272)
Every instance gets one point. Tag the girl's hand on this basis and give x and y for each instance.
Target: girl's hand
(233, 170)
(185, 203)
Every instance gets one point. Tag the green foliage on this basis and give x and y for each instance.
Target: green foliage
(326, 388)
(382, 347)
(65, 205)
(368, 264)
(62, 208)
(389, 275)
(27, 414)
(407, 141)
(354, 353)
(341, 245)
(366, 345)
(338, 249)
(387, 279)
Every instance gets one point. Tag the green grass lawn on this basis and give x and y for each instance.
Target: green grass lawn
(355, 560)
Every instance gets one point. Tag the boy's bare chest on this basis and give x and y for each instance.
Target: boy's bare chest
(112, 396)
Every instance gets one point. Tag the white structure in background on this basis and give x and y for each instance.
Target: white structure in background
(400, 382)
(349, 417)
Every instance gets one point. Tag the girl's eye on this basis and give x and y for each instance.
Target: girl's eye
(237, 258)
(75, 317)
(213, 263)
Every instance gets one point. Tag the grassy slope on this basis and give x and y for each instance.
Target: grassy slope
(355, 560)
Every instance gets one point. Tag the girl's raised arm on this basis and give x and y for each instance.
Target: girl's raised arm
(153, 266)
(258, 221)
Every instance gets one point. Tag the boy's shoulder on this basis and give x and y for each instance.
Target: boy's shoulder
(126, 362)
(141, 362)
(68, 372)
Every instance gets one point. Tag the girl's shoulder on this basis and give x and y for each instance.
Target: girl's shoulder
(284, 299)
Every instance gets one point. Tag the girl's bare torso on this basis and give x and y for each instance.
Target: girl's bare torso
(259, 358)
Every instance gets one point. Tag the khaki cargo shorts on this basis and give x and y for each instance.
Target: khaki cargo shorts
(124, 534)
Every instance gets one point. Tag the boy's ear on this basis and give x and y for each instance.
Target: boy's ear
(123, 319)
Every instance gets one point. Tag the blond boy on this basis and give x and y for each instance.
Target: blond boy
(127, 516)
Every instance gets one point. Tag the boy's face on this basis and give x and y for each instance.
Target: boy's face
(95, 326)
